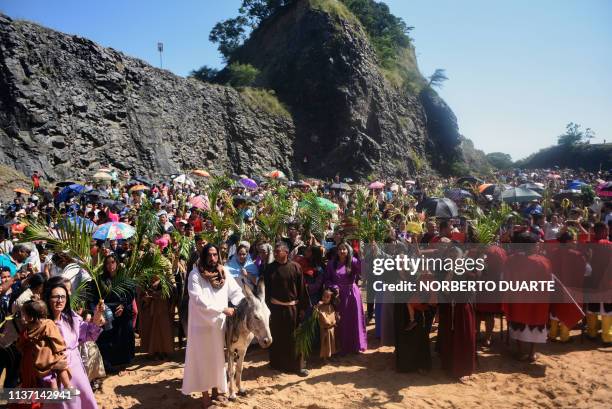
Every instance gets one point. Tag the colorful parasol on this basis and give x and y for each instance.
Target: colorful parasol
(376, 185)
(114, 231)
(21, 190)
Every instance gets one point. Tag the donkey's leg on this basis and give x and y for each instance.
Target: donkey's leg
(231, 372)
(241, 354)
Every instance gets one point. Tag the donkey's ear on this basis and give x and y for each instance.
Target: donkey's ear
(261, 290)
(247, 288)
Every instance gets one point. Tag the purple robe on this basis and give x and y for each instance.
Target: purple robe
(86, 331)
(351, 329)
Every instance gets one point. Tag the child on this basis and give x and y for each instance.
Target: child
(45, 341)
(328, 319)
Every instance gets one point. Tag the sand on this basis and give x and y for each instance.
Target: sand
(576, 375)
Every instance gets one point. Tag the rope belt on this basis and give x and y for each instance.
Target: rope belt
(285, 304)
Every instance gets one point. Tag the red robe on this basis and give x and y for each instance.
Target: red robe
(569, 266)
(520, 267)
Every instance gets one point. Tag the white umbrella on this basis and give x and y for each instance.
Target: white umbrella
(103, 176)
(183, 179)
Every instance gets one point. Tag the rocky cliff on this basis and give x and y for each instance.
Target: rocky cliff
(69, 106)
(349, 115)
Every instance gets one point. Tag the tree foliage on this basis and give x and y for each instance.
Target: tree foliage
(242, 75)
(205, 74)
(230, 34)
(387, 32)
(437, 78)
(574, 135)
(500, 160)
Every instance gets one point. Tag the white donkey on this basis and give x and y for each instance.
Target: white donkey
(252, 319)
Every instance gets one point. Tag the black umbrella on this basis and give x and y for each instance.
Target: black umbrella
(115, 205)
(143, 180)
(64, 183)
(243, 198)
(468, 179)
(97, 193)
(439, 207)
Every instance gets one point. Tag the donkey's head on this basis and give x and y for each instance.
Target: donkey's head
(258, 317)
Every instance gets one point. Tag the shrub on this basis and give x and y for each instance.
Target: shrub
(242, 75)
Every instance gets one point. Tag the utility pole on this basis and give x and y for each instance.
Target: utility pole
(160, 48)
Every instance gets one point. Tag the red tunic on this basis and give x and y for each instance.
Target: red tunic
(520, 267)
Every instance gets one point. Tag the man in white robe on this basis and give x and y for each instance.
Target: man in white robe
(208, 308)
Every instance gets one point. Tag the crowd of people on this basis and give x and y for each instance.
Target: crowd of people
(90, 268)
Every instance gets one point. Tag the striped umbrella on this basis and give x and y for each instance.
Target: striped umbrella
(114, 231)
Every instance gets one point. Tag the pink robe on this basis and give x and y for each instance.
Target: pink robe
(85, 331)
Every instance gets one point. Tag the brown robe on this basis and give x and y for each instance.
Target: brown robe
(327, 324)
(46, 344)
(156, 319)
(285, 283)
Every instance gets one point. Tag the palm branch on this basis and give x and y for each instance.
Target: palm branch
(305, 334)
(150, 266)
(312, 216)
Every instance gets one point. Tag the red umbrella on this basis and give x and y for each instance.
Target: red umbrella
(200, 202)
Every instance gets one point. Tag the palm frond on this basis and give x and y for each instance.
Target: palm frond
(305, 334)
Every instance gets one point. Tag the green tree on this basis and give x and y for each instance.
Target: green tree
(437, 78)
(500, 160)
(204, 73)
(229, 34)
(574, 135)
(242, 75)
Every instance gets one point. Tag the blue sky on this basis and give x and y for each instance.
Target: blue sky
(518, 70)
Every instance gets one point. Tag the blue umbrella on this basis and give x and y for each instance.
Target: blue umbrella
(79, 221)
(69, 192)
(575, 185)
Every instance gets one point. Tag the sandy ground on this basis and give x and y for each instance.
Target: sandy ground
(577, 375)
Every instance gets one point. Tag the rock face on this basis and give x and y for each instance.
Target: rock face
(348, 117)
(69, 106)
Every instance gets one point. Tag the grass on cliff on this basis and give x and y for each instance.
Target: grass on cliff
(266, 100)
(336, 9)
(388, 36)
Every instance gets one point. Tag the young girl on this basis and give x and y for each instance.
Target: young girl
(328, 317)
(43, 338)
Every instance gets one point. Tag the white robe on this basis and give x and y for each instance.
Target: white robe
(205, 358)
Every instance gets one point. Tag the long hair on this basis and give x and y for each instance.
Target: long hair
(203, 261)
(67, 311)
(349, 257)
